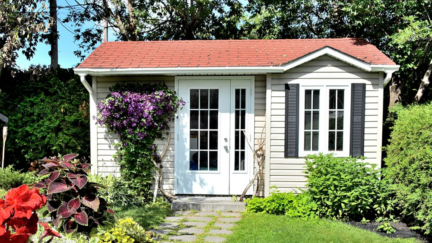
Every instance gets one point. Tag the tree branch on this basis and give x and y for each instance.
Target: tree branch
(424, 83)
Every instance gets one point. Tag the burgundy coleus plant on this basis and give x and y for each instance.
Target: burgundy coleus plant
(72, 200)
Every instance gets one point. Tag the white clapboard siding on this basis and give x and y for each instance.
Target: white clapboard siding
(105, 148)
(287, 173)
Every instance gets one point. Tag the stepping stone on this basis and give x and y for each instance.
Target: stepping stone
(224, 226)
(221, 232)
(231, 214)
(229, 220)
(174, 218)
(182, 212)
(214, 239)
(183, 238)
(160, 231)
(191, 231)
(207, 214)
(196, 224)
(205, 219)
(169, 225)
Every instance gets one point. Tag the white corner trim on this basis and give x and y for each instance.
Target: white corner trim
(85, 83)
(268, 127)
(388, 76)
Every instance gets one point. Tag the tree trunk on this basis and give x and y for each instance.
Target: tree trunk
(1, 66)
(54, 34)
(132, 24)
(395, 91)
(424, 83)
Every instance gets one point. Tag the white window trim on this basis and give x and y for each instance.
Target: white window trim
(324, 119)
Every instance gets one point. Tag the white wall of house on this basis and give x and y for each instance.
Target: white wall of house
(102, 148)
(287, 173)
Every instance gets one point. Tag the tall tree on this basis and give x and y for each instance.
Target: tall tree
(53, 37)
(21, 23)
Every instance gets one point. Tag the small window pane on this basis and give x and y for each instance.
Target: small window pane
(203, 140)
(237, 120)
(332, 120)
(214, 139)
(340, 120)
(308, 99)
(237, 99)
(331, 141)
(194, 99)
(243, 98)
(194, 120)
(340, 98)
(193, 163)
(237, 140)
(194, 140)
(332, 99)
(214, 99)
(242, 140)
(316, 99)
(242, 160)
(204, 120)
(308, 120)
(204, 97)
(316, 120)
(203, 165)
(339, 141)
(237, 160)
(315, 141)
(214, 119)
(307, 141)
(213, 161)
(243, 119)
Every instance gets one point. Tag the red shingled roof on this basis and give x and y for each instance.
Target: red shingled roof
(223, 53)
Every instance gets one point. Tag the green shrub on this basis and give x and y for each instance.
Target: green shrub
(11, 178)
(344, 188)
(289, 204)
(116, 191)
(3, 193)
(48, 115)
(409, 164)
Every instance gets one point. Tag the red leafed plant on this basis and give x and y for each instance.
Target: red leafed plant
(18, 219)
(72, 201)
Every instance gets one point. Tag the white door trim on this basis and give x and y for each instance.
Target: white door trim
(251, 121)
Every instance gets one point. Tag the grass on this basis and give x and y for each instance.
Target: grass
(272, 228)
(148, 216)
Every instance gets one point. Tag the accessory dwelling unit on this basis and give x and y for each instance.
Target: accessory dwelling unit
(306, 96)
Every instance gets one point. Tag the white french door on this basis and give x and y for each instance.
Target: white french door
(212, 154)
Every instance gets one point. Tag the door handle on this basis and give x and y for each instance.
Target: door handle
(226, 148)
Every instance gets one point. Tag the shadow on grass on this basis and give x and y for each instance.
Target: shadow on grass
(148, 216)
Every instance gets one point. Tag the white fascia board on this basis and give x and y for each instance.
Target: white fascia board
(178, 71)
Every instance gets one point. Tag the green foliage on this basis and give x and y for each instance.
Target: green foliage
(344, 188)
(115, 191)
(289, 204)
(11, 178)
(409, 164)
(48, 115)
(3, 193)
(122, 231)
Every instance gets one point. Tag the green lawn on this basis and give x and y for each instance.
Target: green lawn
(272, 228)
(147, 216)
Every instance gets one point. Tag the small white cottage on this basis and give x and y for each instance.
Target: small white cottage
(312, 95)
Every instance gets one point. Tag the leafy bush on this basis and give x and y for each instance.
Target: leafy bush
(10, 178)
(72, 201)
(2, 193)
(344, 188)
(115, 191)
(409, 164)
(18, 217)
(125, 230)
(299, 206)
(48, 114)
(138, 113)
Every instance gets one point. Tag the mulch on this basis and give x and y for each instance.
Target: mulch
(402, 230)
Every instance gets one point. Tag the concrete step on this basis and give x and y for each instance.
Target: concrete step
(208, 204)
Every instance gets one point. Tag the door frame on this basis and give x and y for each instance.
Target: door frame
(250, 120)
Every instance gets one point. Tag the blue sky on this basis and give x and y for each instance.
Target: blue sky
(67, 46)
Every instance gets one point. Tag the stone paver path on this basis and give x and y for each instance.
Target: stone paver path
(189, 226)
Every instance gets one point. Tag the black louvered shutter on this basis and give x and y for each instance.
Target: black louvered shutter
(358, 93)
(291, 120)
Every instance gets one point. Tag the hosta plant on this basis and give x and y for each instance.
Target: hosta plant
(72, 201)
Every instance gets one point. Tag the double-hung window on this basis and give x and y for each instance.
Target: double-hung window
(324, 125)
